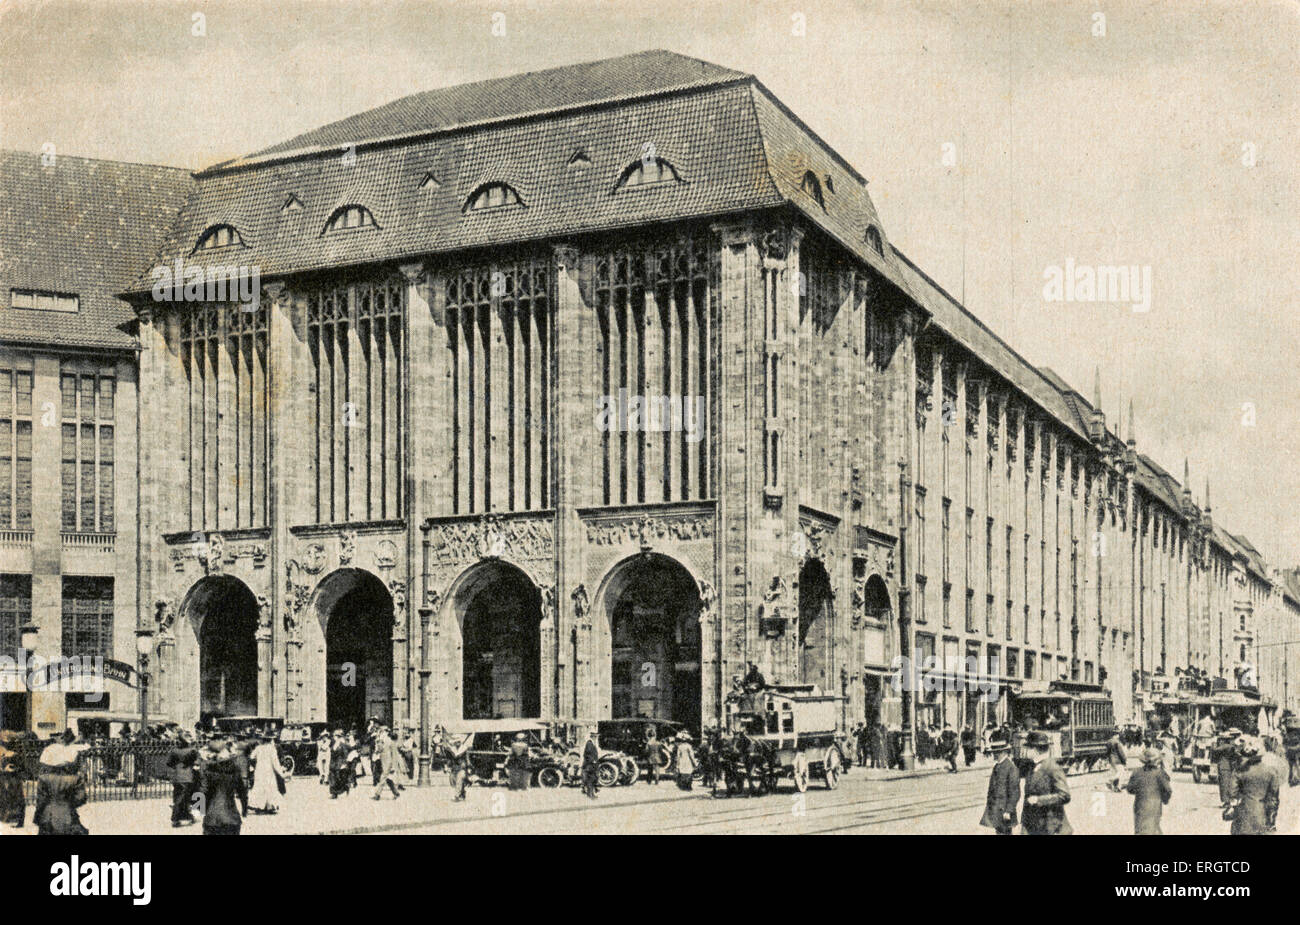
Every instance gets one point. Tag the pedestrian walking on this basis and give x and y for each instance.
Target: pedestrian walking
(1004, 790)
(1046, 791)
(968, 744)
(239, 755)
(1224, 754)
(1271, 758)
(1118, 761)
(1253, 786)
(224, 789)
(1151, 790)
(60, 790)
(684, 760)
(385, 756)
(516, 764)
(324, 746)
(948, 747)
(340, 768)
(13, 806)
(181, 761)
(654, 756)
(458, 766)
(590, 766)
(268, 778)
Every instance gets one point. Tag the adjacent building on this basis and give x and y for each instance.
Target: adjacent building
(576, 393)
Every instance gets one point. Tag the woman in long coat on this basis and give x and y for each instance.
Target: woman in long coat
(516, 763)
(59, 791)
(268, 778)
(1151, 791)
(1253, 786)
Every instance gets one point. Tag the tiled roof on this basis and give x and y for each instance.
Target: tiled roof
(733, 147)
(80, 226)
(517, 96)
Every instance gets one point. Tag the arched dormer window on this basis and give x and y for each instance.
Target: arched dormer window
(874, 240)
(648, 171)
(349, 217)
(813, 187)
(493, 196)
(218, 236)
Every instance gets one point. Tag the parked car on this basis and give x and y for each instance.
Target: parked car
(298, 747)
(628, 736)
(490, 742)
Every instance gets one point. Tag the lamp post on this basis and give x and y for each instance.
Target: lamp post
(425, 614)
(28, 637)
(143, 646)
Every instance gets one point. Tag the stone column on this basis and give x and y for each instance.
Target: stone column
(400, 709)
(709, 680)
(549, 658)
(264, 655)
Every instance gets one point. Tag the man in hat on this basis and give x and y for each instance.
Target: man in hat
(590, 764)
(654, 756)
(1151, 790)
(684, 760)
(384, 751)
(1224, 755)
(1271, 757)
(458, 765)
(340, 769)
(1253, 787)
(182, 759)
(948, 747)
(1118, 761)
(1046, 791)
(13, 805)
(1004, 790)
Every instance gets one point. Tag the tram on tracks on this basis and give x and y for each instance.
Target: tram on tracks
(1078, 718)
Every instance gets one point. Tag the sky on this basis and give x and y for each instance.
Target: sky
(1000, 140)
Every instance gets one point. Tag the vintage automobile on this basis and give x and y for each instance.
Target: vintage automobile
(792, 731)
(629, 737)
(1078, 718)
(297, 747)
(490, 742)
(615, 767)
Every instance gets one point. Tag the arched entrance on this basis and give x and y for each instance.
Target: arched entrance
(652, 608)
(355, 611)
(816, 623)
(221, 611)
(875, 607)
(500, 614)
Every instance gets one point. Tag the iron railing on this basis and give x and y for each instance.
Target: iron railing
(113, 770)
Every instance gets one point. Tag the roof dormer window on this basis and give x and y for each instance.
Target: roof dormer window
(40, 300)
(813, 187)
(493, 196)
(218, 236)
(648, 171)
(346, 218)
(876, 243)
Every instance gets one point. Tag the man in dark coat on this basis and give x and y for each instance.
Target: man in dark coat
(239, 755)
(1004, 791)
(590, 763)
(1046, 792)
(340, 767)
(13, 806)
(1224, 755)
(224, 790)
(1253, 786)
(968, 744)
(1151, 791)
(948, 746)
(181, 760)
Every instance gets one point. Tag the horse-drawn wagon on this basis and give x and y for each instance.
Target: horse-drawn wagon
(792, 733)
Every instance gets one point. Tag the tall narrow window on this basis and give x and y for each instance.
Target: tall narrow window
(88, 617)
(354, 335)
(223, 351)
(16, 447)
(88, 398)
(15, 610)
(813, 187)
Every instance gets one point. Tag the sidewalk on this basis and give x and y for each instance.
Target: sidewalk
(307, 809)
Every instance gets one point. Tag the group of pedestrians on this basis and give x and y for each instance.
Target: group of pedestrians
(345, 759)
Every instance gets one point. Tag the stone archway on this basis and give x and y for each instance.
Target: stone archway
(816, 625)
(219, 620)
(498, 611)
(648, 656)
(354, 613)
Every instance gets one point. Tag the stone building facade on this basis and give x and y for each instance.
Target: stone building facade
(580, 408)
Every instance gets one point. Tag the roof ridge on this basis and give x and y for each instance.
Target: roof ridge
(101, 160)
